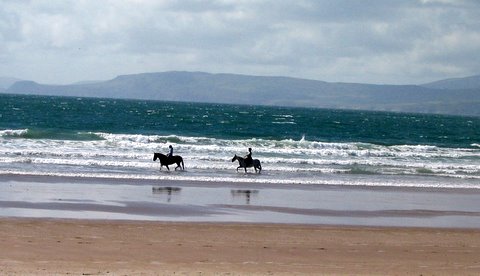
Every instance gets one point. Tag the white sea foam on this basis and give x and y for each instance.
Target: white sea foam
(256, 180)
(13, 132)
(302, 161)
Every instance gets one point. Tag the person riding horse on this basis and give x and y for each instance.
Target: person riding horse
(248, 158)
(170, 153)
(247, 162)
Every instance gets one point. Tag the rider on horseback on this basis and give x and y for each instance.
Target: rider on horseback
(170, 153)
(248, 158)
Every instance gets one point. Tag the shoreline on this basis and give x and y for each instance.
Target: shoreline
(214, 183)
(89, 247)
(220, 202)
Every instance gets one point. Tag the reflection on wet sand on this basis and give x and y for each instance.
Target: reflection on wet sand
(169, 191)
(244, 193)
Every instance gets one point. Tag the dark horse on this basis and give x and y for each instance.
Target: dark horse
(165, 160)
(243, 164)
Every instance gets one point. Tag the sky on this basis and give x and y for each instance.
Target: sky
(369, 41)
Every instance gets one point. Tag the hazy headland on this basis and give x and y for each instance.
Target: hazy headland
(459, 96)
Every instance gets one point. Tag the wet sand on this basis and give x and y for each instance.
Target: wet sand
(60, 226)
(86, 247)
(190, 201)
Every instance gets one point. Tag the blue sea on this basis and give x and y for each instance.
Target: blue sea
(111, 138)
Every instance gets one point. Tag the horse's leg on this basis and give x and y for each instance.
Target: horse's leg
(167, 167)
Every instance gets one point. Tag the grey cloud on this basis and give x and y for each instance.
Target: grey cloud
(358, 41)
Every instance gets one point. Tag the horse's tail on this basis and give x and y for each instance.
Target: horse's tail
(183, 165)
(259, 165)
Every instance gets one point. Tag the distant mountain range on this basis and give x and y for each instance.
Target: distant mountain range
(453, 96)
(7, 82)
(472, 82)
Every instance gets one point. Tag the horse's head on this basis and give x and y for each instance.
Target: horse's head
(155, 156)
(234, 158)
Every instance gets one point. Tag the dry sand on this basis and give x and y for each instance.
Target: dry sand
(86, 247)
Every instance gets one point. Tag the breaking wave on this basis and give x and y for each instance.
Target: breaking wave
(26, 151)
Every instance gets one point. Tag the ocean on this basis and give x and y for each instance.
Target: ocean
(116, 139)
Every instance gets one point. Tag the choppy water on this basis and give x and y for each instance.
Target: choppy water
(116, 138)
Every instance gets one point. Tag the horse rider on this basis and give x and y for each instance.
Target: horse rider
(248, 158)
(170, 153)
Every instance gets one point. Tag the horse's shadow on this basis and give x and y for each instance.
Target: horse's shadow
(244, 193)
(168, 191)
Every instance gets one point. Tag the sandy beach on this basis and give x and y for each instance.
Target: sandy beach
(197, 201)
(86, 247)
(75, 226)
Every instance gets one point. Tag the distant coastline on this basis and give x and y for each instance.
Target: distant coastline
(453, 96)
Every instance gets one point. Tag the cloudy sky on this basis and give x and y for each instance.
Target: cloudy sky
(367, 41)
